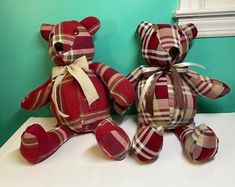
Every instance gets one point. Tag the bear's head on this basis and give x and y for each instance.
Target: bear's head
(70, 40)
(164, 44)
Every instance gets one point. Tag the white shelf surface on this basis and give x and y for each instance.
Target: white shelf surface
(80, 162)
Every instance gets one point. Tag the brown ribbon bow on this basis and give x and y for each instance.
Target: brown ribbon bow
(174, 72)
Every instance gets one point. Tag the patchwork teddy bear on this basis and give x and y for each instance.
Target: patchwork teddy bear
(78, 92)
(166, 94)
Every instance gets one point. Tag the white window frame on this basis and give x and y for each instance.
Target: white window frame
(214, 22)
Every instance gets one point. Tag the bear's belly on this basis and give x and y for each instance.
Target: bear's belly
(72, 101)
(165, 110)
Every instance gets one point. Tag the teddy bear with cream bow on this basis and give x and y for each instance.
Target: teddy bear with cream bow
(166, 93)
(78, 92)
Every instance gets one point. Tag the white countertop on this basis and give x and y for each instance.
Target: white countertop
(80, 162)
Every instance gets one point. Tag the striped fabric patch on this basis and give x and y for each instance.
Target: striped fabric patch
(147, 143)
(119, 86)
(202, 144)
(29, 140)
(204, 86)
(156, 41)
(112, 139)
(60, 134)
(39, 97)
(76, 42)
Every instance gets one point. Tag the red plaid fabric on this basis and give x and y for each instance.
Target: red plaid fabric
(147, 143)
(164, 46)
(69, 41)
(119, 87)
(37, 144)
(200, 143)
(166, 112)
(112, 139)
(204, 86)
(156, 41)
(73, 39)
(39, 97)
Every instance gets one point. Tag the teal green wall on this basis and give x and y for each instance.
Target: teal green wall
(26, 63)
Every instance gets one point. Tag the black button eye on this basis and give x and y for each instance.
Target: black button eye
(59, 46)
(174, 52)
(51, 35)
(76, 32)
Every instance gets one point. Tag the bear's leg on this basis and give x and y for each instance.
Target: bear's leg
(112, 139)
(147, 142)
(37, 144)
(200, 143)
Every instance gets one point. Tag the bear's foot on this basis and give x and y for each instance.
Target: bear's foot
(112, 139)
(147, 143)
(200, 143)
(37, 144)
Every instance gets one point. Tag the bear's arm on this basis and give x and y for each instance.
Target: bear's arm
(38, 97)
(135, 76)
(204, 86)
(119, 87)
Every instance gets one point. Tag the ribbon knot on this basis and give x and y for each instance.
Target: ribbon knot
(78, 70)
(165, 70)
(153, 74)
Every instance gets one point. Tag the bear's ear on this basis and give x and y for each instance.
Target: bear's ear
(45, 30)
(190, 30)
(92, 24)
(143, 28)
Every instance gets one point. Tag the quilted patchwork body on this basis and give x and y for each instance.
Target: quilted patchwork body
(166, 113)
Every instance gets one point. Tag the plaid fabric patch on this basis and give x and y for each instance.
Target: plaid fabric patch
(75, 41)
(119, 87)
(39, 97)
(147, 143)
(73, 103)
(189, 30)
(204, 86)
(37, 144)
(183, 132)
(156, 49)
(202, 144)
(166, 112)
(112, 139)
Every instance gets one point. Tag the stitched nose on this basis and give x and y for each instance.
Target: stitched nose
(59, 46)
(174, 52)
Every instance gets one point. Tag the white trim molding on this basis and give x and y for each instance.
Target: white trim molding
(211, 22)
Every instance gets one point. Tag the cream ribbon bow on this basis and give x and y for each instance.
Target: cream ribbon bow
(78, 70)
(156, 71)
